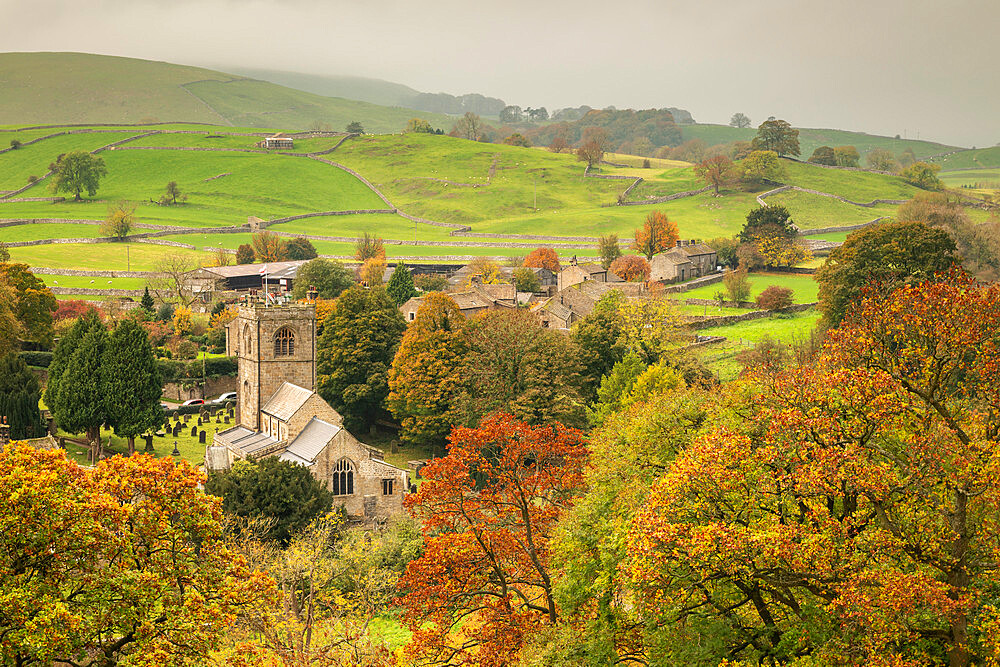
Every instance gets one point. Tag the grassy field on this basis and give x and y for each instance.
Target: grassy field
(804, 287)
(384, 225)
(85, 88)
(812, 138)
(49, 230)
(97, 282)
(722, 359)
(971, 159)
(34, 160)
(811, 211)
(103, 256)
(985, 179)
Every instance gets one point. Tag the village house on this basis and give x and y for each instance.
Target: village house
(688, 260)
(574, 274)
(279, 413)
(476, 299)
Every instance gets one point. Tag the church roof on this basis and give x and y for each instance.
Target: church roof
(310, 442)
(286, 401)
(247, 441)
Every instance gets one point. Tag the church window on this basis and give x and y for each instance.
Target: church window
(284, 342)
(246, 340)
(343, 478)
(387, 485)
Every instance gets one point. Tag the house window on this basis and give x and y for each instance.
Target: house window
(284, 342)
(413, 316)
(387, 486)
(343, 478)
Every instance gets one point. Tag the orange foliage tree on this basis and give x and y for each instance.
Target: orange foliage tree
(543, 258)
(483, 585)
(126, 560)
(631, 268)
(853, 513)
(657, 234)
(268, 247)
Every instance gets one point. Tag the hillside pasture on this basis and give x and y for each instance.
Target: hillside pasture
(50, 230)
(979, 158)
(95, 282)
(34, 160)
(858, 186)
(383, 225)
(102, 256)
(811, 211)
(804, 288)
(978, 179)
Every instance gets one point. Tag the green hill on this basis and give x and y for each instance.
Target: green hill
(85, 88)
(360, 88)
(977, 158)
(812, 138)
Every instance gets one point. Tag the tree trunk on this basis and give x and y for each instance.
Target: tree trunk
(131, 445)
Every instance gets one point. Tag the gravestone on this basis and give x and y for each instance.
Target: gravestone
(231, 412)
(199, 421)
(218, 417)
(177, 430)
(226, 420)
(194, 431)
(149, 442)
(201, 437)
(186, 418)
(369, 505)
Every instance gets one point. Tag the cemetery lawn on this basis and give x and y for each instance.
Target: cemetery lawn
(191, 450)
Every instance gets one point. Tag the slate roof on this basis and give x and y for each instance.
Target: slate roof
(592, 268)
(674, 256)
(273, 269)
(696, 249)
(310, 442)
(470, 300)
(557, 309)
(247, 441)
(286, 400)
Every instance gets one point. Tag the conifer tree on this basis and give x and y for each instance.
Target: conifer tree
(19, 393)
(64, 350)
(80, 403)
(147, 301)
(400, 286)
(130, 383)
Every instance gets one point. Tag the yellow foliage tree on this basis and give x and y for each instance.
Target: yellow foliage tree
(183, 322)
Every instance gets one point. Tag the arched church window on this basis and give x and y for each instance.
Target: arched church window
(284, 342)
(343, 478)
(247, 348)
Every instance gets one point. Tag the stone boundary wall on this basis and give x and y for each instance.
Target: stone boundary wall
(32, 141)
(96, 291)
(532, 237)
(842, 228)
(629, 189)
(360, 211)
(14, 200)
(17, 222)
(833, 166)
(615, 164)
(725, 320)
(355, 175)
(666, 198)
(448, 225)
(92, 273)
(612, 177)
(724, 304)
(785, 188)
(710, 279)
(116, 144)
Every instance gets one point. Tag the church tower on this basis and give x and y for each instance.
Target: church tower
(272, 344)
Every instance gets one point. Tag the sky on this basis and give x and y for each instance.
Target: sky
(916, 68)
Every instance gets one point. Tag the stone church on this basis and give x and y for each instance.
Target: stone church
(280, 414)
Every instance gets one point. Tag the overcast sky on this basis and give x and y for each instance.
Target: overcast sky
(882, 66)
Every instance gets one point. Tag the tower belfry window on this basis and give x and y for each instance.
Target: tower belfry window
(284, 342)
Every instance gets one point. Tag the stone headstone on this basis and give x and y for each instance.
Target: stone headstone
(199, 421)
(186, 418)
(194, 431)
(226, 420)
(201, 437)
(218, 417)
(394, 447)
(177, 430)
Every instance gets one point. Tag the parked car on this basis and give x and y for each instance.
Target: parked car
(194, 401)
(228, 396)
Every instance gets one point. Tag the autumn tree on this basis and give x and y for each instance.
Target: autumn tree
(717, 171)
(119, 220)
(657, 234)
(244, 254)
(863, 494)
(846, 156)
(923, 175)
(130, 383)
(126, 561)
(372, 271)
(77, 171)
(517, 139)
(169, 280)
(368, 245)
(824, 155)
(400, 287)
(268, 246)
(469, 126)
(543, 258)
(355, 350)
(484, 585)
(485, 271)
(559, 144)
(737, 285)
(19, 396)
(328, 276)
(739, 120)
(978, 243)
(608, 249)
(889, 253)
(31, 302)
(775, 297)
(425, 377)
(514, 365)
(223, 257)
(590, 152)
(777, 136)
(631, 268)
(300, 248)
(759, 166)
(882, 159)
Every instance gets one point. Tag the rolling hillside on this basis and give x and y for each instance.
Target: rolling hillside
(85, 88)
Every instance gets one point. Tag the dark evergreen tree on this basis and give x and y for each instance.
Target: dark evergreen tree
(64, 350)
(79, 406)
(355, 350)
(19, 394)
(400, 287)
(130, 383)
(270, 488)
(768, 221)
(147, 302)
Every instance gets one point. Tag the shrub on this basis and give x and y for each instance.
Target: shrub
(32, 178)
(170, 370)
(737, 285)
(428, 282)
(38, 359)
(775, 298)
(631, 268)
(215, 367)
(645, 163)
(15, 144)
(165, 312)
(72, 309)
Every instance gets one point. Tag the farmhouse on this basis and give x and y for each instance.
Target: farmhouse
(476, 299)
(704, 259)
(280, 414)
(670, 266)
(279, 140)
(207, 280)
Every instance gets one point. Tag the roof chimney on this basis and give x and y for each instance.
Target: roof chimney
(680, 243)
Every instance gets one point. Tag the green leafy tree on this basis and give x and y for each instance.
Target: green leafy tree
(400, 286)
(4, 253)
(418, 126)
(923, 175)
(354, 127)
(130, 383)
(119, 220)
(514, 365)
(526, 280)
(426, 373)
(356, 348)
(737, 285)
(300, 248)
(725, 249)
(286, 495)
(824, 155)
(778, 136)
(881, 159)
(760, 166)
(614, 386)
(173, 193)
(598, 338)
(888, 253)
(769, 220)
(328, 276)
(245, 254)
(33, 304)
(77, 171)
(517, 139)
(608, 249)
(19, 394)
(846, 156)
(80, 404)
